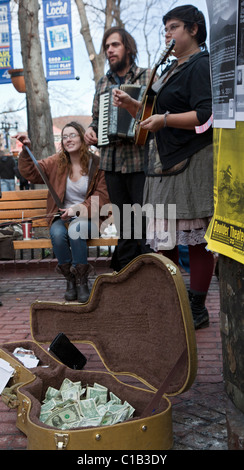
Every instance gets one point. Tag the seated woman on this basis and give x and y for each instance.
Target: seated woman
(75, 176)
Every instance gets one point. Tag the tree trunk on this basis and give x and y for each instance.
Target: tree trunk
(39, 114)
(97, 60)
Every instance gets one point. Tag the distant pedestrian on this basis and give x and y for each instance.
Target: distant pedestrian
(7, 172)
(23, 182)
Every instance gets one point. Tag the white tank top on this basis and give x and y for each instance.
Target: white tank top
(75, 191)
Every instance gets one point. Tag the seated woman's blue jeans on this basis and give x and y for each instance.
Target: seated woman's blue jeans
(68, 248)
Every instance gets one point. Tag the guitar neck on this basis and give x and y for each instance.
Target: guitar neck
(153, 73)
(150, 83)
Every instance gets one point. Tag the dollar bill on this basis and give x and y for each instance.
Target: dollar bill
(44, 416)
(88, 408)
(75, 406)
(98, 393)
(73, 393)
(51, 393)
(68, 414)
(114, 397)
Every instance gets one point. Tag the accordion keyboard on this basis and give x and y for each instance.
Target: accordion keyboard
(103, 119)
(116, 123)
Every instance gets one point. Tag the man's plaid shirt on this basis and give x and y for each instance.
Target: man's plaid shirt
(128, 158)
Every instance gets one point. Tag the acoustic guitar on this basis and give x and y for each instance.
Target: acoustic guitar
(148, 98)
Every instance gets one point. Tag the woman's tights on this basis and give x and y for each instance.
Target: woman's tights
(201, 266)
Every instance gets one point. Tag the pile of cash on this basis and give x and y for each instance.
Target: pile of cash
(75, 406)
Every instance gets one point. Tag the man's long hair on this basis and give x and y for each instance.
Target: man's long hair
(126, 38)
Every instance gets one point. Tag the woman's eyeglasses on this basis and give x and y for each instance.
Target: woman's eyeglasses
(70, 136)
(172, 28)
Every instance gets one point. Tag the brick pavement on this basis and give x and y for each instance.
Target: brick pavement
(199, 420)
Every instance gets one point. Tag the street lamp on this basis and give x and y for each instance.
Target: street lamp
(6, 126)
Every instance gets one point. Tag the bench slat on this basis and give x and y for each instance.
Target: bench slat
(19, 214)
(8, 205)
(32, 244)
(35, 223)
(40, 223)
(46, 243)
(30, 194)
(102, 242)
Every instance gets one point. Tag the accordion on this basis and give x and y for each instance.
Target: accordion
(116, 123)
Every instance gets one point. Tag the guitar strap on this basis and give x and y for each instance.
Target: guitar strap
(154, 403)
(138, 75)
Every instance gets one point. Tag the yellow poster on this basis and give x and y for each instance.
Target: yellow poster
(225, 234)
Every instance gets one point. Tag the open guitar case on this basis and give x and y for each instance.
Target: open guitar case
(139, 322)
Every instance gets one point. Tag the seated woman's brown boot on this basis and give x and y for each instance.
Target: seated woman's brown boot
(70, 293)
(80, 271)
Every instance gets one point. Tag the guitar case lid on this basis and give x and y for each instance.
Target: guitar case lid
(138, 320)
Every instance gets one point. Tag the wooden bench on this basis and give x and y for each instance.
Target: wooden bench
(28, 204)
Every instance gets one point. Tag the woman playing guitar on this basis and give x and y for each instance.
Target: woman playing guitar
(182, 173)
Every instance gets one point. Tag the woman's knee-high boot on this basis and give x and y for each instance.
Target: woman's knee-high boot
(70, 293)
(80, 271)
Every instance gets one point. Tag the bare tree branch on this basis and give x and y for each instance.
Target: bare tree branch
(97, 60)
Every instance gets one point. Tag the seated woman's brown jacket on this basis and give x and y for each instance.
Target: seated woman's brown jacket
(96, 180)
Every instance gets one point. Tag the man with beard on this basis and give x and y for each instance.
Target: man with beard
(122, 161)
